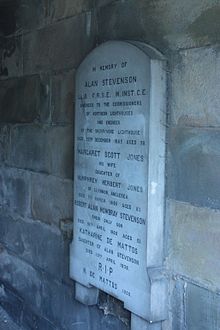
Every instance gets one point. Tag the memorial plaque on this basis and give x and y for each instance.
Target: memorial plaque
(111, 243)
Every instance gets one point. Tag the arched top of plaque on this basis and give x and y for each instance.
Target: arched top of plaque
(120, 114)
(114, 48)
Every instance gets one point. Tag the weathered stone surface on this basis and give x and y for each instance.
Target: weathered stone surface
(11, 304)
(48, 49)
(51, 198)
(8, 17)
(195, 166)
(6, 322)
(62, 99)
(99, 3)
(22, 99)
(194, 242)
(65, 8)
(114, 307)
(36, 243)
(24, 279)
(60, 307)
(60, 151)
(15, 191)
(195, 85)
(44, 149)
(163, 24)
(15, 314)
(32, 140)
(11, 57)
(4, 142)
(31, 321)
(99, 321)
(32, 14)
(202, 309)
(48, 298)
(177, 306)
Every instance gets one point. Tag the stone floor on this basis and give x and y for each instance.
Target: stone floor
(6, 323)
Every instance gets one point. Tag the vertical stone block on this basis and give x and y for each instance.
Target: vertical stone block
(60, 46)
(60, 307)
(63, 88)
(11, 304)
(32, 14)
(42, 149)
(34, 242)
(59, 151)
(195, 84)
(23, 278)
(31, 320)
(195, 166)
(15, 191)
(51, 198)
(202, 309)
(194, 242)
(28, 148)
(6, 322)
(23, 100)
(65, 8)
(163, 24)
(4, 142)
(178, 305)
(11, 57)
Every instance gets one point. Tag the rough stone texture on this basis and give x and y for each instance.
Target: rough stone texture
(44, 149)
(15, 191)
(41, 45)
(4, 142)
(36, 14)
(23, 278)
(46, 296)
(112, 306)
(48, 49)
(32, 141)
(11, 57)
(32, 321)
(202, 309)
(100, 3)
(12, 304)
(32, 14)
(195, 85)
(66, 8)
(39, 51)
(22, 99)
(194, 242)
(52, 299)
(36, 243)
(63, 98)
(194, 166)
(8, 17)
(163, 24)
(15, 314)
(51, 198)
(177, 319)
(6, 323)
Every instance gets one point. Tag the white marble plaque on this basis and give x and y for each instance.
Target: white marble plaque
(111, 173)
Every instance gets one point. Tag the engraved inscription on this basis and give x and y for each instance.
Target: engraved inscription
(111, 172)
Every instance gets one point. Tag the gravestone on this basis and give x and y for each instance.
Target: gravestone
(119, 178)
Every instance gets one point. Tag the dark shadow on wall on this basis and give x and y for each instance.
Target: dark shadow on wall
(8, 10)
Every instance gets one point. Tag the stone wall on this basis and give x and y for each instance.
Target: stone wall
(41, 44)
(40, 51)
